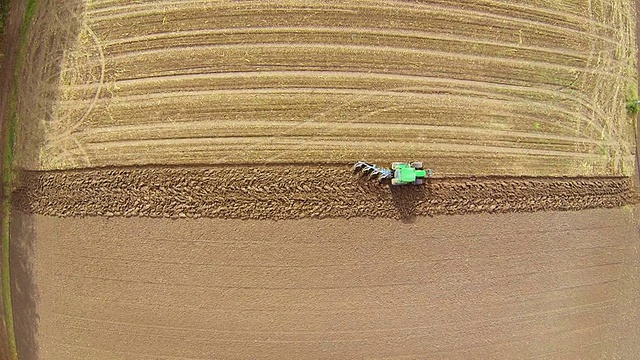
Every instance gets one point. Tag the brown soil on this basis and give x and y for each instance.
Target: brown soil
(548, 285)
(281, 192)
(473, 88)
(24, 291)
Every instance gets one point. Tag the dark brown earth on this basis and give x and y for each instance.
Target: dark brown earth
(281, 192)
(551, 285)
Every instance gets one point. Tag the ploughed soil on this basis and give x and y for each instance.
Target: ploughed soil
(549, 284)
(289, 192)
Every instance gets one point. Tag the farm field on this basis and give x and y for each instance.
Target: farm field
(181, 184)
(522, 88)
(556, 285)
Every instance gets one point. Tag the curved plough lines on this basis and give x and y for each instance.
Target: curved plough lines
(56, 142)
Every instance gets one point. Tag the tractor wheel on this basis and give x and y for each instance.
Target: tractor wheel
(418, 182)
(394, 165)
(416, 165)
(394, 181)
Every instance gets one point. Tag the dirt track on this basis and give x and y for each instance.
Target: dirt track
(519, 89)
(285, 192)
(553, 285)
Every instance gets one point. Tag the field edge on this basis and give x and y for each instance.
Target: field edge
(15, 26)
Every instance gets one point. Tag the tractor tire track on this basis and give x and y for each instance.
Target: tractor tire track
(290, 192)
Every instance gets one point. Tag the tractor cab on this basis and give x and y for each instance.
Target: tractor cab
(412, 173)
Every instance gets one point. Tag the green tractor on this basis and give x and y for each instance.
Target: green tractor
(400, 173)
(412, 173)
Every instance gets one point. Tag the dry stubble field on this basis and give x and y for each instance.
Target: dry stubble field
(522, 88)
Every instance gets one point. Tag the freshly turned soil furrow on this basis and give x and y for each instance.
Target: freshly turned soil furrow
(289, 192)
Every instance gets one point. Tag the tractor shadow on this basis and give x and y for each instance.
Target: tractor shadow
(406, 199)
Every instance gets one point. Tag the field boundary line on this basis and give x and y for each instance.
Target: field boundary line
(8, 136)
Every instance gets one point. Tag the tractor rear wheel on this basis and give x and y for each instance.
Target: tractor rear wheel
(416, 165)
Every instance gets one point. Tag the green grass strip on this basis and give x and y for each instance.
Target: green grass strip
(7, 176)
(4, 11)
(6, 283)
